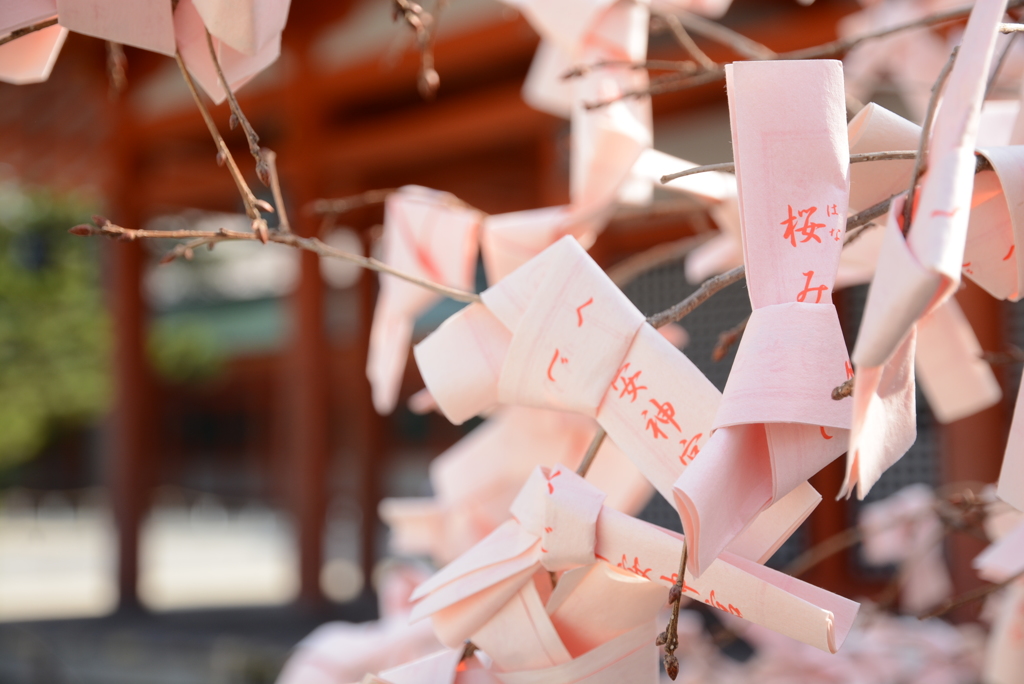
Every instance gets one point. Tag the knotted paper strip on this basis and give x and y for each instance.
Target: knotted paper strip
(239, 68)
(557, 333)
(476, 480)
(915, 275)
(777, 424)
(905, 529)
(429, 234)
(559, 523)
(246, 26)
(146, 24)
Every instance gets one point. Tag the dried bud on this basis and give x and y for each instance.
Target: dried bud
(100, 220)
(264, 205)
(81, 230)
(168, 258)
(429, 83)
(671, 666)
(675, 593)
(263, 172)
(662, 639)
(233, 121)
(259, 226)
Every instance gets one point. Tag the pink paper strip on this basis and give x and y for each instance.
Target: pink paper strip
(146, 24)
(916, 276)
(777, 423)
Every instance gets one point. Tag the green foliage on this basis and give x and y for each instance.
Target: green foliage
(55, 337)
(185, 353)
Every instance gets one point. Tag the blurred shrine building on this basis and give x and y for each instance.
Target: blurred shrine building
(287, 420)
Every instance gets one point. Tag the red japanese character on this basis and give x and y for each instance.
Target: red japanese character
(807, 230)
(551, 366)
(635, 568)
(690, 449)
(849, 370)
(820, 289)
(579, 311)
(666, 415)
(629, 385)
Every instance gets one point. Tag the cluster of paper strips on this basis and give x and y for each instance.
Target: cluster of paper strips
(246, 35)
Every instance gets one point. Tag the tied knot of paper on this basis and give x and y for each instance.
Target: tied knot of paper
(777, 424)
(562, 509)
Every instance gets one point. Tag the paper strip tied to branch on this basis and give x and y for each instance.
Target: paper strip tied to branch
(429, 234)
(917, 274)
(559, 524)
(476, 480)
(777, 424)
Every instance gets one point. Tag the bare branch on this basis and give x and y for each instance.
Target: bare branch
(706, 291)
(969, 597)
(824, 51)
(742, 45)
(14, 35)
(117, 68)
(649, 64)
(926, 129)
(686, 42)
(345, 204)
(670, 637)
(108, 229)
(424, 25)
(238, 117)
(252, 205)
(1013, 354)
(727, 338)
(270, 157)
(629, 269)
(1011, 28)
(588, 458)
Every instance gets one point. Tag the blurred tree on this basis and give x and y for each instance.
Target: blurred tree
(55, 336)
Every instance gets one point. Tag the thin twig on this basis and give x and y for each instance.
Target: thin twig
(727, 338)
(238, 117)
(824, 51)
(822, 550)
(1011, 28)
(670, 637)
(999, 66)
(345, 204)
(117, 68)
(588, 458)
(1013, 354)
(649, 64)
(742, 45)
(108, 229)
(424, 25)
(854, 159)
(270, 157)
(686, 41)
(707, 289)
(926, 128)
(251, 204)
(969, 597)
(14, 35)
(630, 268)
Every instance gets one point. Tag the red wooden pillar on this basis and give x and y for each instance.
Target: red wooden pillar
(307, 360)
(972, 448)
(127, 474)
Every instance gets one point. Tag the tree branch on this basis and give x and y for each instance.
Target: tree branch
(108, 229)
(14, 35)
